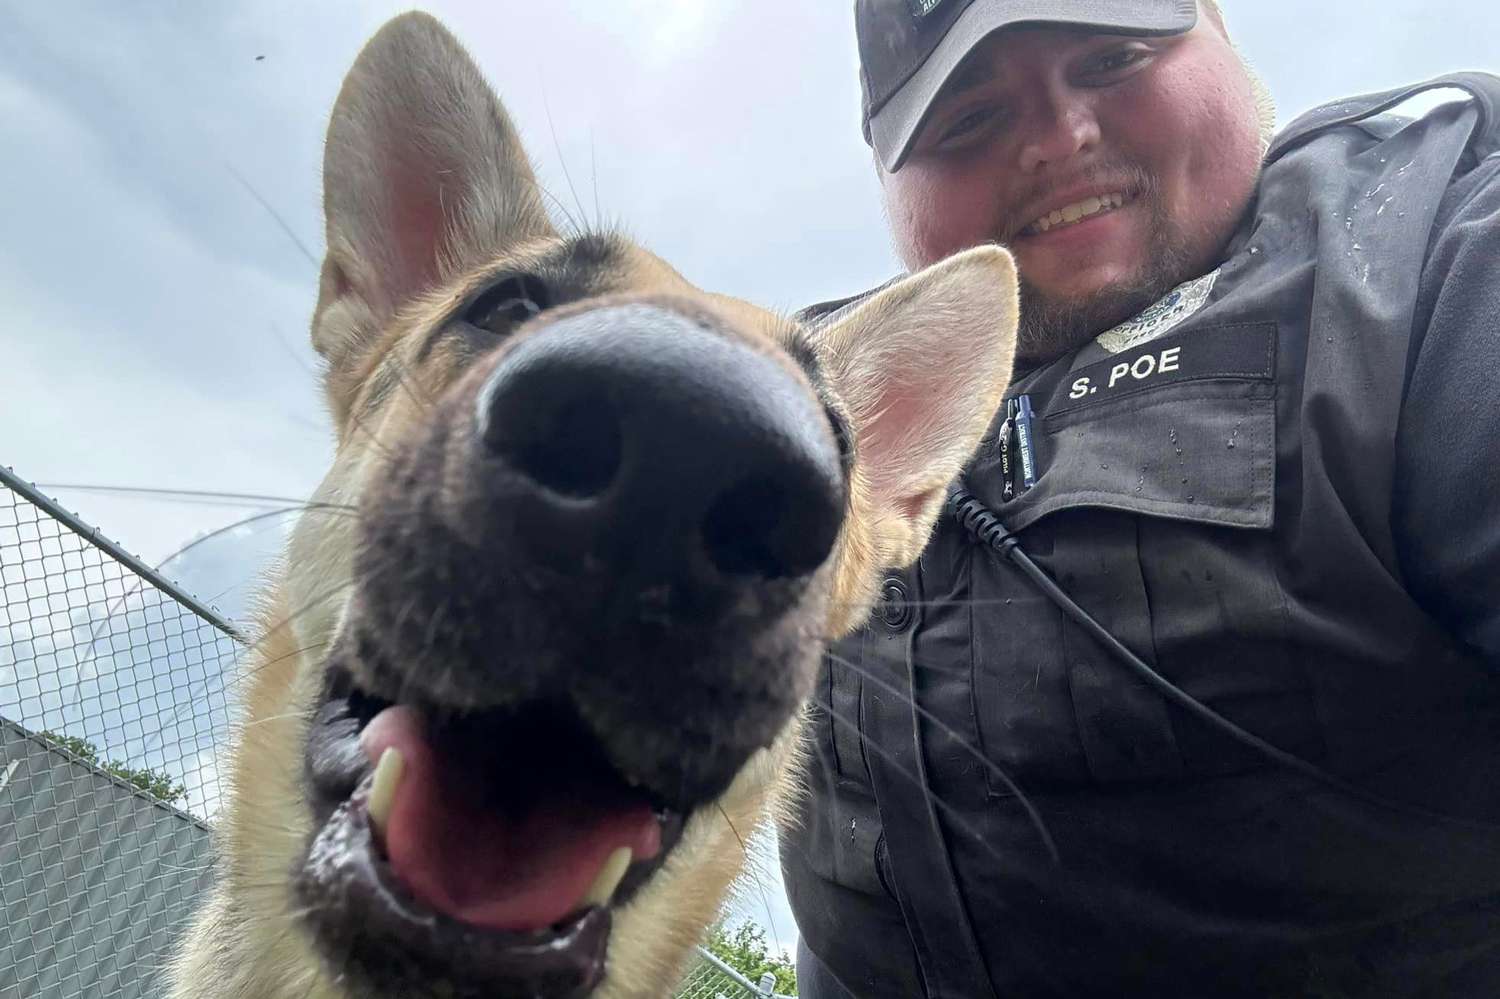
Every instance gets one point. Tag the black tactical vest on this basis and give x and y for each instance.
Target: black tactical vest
(1219, 497)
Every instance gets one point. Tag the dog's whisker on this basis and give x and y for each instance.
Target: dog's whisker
(953, 814)
(574, 228)
(113, 609)
(753, 871)
(963, 742)
(227, 498)
(267, 664)
(386, 452)
(274, 630)
(939, 602)
(594, 180)
(561, 160)
(412, 388)
(269, 209)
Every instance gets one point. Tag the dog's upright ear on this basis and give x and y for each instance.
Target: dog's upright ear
(921, 367)
(424, 177)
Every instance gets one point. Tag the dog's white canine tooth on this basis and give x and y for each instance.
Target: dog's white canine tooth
(388, 774)
(609, 877)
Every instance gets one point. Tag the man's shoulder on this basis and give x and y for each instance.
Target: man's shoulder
(1383, 113)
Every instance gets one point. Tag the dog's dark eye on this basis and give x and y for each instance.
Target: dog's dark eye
(507, 304)
(843, 436)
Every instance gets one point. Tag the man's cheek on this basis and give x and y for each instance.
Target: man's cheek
(940, 211)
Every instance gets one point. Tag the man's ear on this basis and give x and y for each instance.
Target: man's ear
(424, 177)
(921, 367)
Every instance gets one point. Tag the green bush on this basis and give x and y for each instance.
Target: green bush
(159, 785)
(744, 949)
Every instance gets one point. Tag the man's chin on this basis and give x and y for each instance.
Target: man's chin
(1052, 326)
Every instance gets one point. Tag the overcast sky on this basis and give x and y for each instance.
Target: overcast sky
(153, 309)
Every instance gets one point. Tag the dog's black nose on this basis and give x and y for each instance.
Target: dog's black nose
(670, 454)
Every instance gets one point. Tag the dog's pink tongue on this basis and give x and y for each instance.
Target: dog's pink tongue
(490, 870)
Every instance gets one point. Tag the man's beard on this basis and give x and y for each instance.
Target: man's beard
(1052, 326)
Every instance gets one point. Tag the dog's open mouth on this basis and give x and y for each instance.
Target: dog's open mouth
(482, 850)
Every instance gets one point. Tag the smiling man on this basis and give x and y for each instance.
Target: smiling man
(1251, 745)
(1112, 165)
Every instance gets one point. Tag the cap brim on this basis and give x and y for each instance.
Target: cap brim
(894, 127)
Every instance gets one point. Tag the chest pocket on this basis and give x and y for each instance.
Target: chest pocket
(1152, 508)
(1182, 428)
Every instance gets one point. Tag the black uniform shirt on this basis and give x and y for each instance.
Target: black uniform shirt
(1281, 487)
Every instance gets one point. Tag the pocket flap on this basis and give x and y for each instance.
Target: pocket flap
(1182, 428)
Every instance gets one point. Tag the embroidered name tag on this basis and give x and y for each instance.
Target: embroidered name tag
(1245, 351)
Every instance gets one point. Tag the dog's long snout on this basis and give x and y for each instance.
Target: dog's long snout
(681, 455)
(625, 513)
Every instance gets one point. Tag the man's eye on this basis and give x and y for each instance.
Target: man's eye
(1113, 62)
(965, 126)
(508, 303)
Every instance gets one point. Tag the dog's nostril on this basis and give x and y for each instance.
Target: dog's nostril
(767, 528)
(667, 454)
(574, 448)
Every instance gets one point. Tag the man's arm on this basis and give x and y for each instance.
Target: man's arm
(1447, 488)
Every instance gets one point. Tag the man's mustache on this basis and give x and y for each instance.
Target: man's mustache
(1116, 175)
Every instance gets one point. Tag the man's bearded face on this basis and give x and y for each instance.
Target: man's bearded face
(1113, 167)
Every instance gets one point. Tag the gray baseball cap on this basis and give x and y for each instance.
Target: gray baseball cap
(909, 48)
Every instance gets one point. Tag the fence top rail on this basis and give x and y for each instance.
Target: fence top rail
(93, 536)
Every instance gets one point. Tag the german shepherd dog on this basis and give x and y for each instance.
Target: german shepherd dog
(537, 655)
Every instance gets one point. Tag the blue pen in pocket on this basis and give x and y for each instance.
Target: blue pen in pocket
(1024, 419)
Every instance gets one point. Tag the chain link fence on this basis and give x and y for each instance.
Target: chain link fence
(713, 979)
(115, 703)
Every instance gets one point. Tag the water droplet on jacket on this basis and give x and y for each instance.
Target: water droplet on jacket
(1230, 443)
(1254, 250)
(1190, 497)
(1104, 467)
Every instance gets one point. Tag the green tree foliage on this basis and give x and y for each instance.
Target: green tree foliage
(158, 784)
(744, 948)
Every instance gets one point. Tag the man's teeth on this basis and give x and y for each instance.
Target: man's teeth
(1077, 211)
(609, 878)
(383, 789)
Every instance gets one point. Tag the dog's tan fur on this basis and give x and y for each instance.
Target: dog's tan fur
(919, 370)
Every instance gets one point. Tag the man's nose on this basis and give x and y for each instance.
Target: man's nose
(1058, 126)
